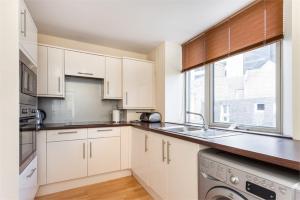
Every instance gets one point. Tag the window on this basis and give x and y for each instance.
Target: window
(243, 89)
(195, 93)
(246, 81)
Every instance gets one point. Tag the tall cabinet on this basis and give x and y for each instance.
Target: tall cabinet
(138, 84)
(50, 73)
(27, 34)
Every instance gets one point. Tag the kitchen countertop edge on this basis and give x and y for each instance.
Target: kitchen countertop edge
(257, 155)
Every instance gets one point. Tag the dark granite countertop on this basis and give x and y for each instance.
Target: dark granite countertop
(276, 150)
(74, 125)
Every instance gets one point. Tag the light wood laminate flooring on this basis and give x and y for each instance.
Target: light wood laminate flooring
(121, 189)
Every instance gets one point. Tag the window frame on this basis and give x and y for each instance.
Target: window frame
(209, 99)
(278, 128)
(186, 92)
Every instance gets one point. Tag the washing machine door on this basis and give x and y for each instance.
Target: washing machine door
(223, 193)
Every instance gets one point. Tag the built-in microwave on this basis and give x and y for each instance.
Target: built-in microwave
(28, 80)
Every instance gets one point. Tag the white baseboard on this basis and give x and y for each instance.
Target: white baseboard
(66, 185)
(147, 188)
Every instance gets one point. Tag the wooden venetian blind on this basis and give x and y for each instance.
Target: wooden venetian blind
(217, 42)
(247, 29)
(274, 19)
(194, 53)
(258, 24)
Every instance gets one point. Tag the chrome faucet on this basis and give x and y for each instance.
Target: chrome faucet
(204, 125)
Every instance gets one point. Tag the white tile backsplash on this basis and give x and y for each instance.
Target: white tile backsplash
(83, 102)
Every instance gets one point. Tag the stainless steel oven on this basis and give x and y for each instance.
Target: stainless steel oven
(28, 120)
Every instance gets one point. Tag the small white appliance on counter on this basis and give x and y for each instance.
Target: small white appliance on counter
(116, 116)
(229, 177)
(150, 117)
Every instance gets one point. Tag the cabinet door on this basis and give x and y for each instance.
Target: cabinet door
(138, 84)
(126, 147)
(104, 155)
(157, 164)
(27, 34)
(113, 78)
(56, 72)
(182, 169)
(139, 155)
(28, 181)
(84, 65)
(41, 153)
(66, 160)
(42, 71)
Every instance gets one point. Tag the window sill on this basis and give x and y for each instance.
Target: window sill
(279, 135)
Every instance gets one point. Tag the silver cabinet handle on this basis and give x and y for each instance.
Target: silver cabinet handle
(163, 150)
(23, 29)
(84, 73)
(31, 173)
(83, 151)
(67, 132)
(91, 150)
(104, 130)
(107, 87)
(168, 152)
(58, 84)
(146, 143)
(126, 96)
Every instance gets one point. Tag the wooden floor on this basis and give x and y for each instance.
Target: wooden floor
(121, 189)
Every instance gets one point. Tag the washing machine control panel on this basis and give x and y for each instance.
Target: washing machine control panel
(245, 182)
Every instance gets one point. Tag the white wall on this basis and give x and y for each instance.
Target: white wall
(9, 90)
(296, 67)
(174, 83)
(169, 81)
(287, 71)
(158, 55)
(84, 46)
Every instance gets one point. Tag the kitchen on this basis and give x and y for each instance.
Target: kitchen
(191, 106)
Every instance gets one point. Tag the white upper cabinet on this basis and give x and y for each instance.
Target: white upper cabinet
(27, 34)
(138, 84)
(113, 78)
(84, 64)
(56, 72)
(50, 73)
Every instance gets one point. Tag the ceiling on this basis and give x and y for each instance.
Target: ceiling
(135, 25)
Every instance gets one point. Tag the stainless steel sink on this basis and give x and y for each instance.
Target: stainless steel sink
(180, 129)
(198, 131)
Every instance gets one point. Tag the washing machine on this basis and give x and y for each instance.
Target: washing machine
(224, 176)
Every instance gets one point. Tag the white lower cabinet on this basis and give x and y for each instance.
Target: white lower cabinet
(139, 154)
(157, 167)
(167, 165)
(66, 160)
(182, 167)
(28, 181)
(76, 153)
(104, 155)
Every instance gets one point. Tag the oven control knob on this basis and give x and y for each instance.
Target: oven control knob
(234, 180)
